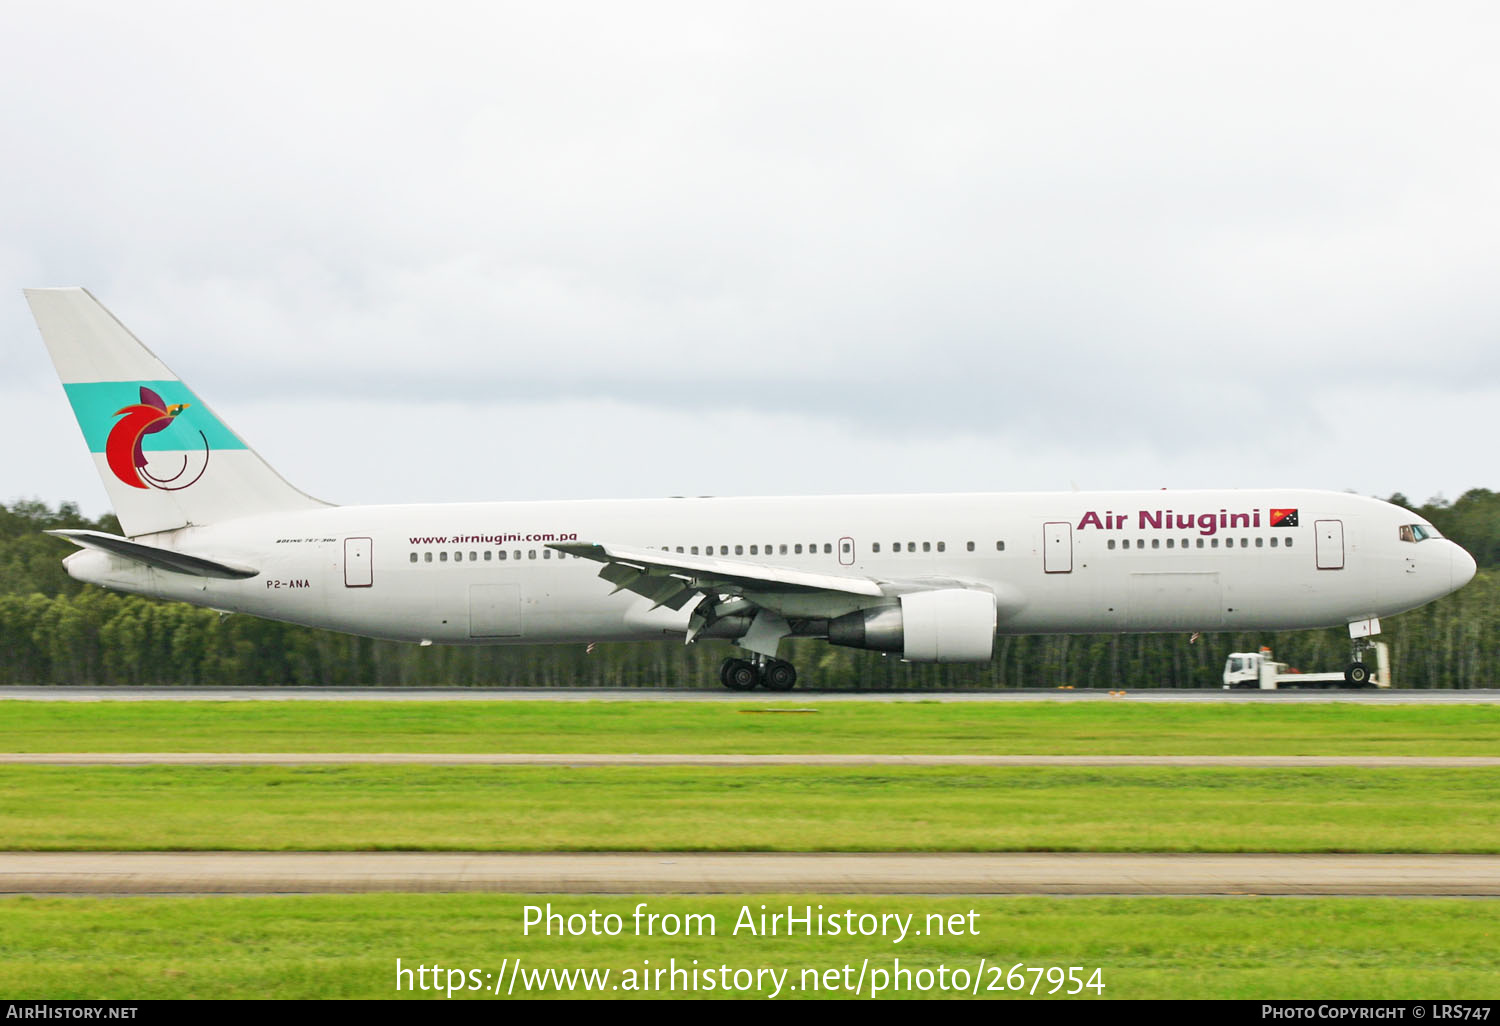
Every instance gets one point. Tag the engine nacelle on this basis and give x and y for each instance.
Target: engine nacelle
(953, 625)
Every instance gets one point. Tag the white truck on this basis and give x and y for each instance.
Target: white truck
(1259, 670)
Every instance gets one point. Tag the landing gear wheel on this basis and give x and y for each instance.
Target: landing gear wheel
(738, 675)
(1357, 675)
(778, 676)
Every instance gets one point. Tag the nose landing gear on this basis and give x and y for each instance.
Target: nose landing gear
(745, 674)
(1360, 673)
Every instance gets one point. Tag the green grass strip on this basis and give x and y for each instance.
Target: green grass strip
(1004, 728)
(364, 808)
(339, 946)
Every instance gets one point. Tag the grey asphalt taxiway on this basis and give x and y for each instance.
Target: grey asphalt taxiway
(746, 872)
(277, 693)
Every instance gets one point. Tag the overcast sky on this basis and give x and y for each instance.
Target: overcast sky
(436, 251)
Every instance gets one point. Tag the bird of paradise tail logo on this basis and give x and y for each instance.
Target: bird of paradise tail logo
(126, 456)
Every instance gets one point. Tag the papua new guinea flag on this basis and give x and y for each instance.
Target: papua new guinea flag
(1283, 518)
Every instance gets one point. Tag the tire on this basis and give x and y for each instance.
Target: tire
(779, 676)
(1357, 675)
(739, 675)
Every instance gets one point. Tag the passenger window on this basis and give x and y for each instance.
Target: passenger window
(516, 554)
(875, 547)
(488, 555)
(739, 550)
(473, 557)
(1171, 543)
(413, 557)
(679, 548)
(1156, 543)
(500, 554)
(911, 546)
(442, 557)
(458, 557)
(1200, 543)
(999, 546)
(927, 546)
(1289, 543)
(693, 550)
(531, 553)
(755, 550)
(1273, 542)
(799, 548)
(783, 549)
(427, 557)
(1260, 543)
(1111, 543)
(546, 553)
(971, 546)
(942, 546)
(827, 548)
(1214, 543)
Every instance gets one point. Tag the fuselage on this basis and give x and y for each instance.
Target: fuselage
(1067, 562)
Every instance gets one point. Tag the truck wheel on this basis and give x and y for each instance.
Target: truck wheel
(1357, 675)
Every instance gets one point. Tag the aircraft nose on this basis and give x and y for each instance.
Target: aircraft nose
(1463, 567)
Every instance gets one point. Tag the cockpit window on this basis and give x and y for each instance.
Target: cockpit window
(1417, 532)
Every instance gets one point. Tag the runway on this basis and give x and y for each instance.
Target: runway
(743, 873)
(276, 693)
(586, 759)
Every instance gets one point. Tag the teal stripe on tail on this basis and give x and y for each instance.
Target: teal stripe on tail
(166, 459)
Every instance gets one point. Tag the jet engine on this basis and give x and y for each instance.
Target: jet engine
(951, 625)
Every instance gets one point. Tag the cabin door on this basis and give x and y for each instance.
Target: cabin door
(1330, 542)
(357, 569)
(1057, 551)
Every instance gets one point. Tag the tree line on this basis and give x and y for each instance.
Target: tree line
(54, 630)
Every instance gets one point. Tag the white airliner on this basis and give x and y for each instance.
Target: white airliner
(932, 578)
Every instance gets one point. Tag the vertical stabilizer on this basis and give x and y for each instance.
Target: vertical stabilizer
(166, 460)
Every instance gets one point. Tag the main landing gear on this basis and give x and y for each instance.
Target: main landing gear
(745, 674)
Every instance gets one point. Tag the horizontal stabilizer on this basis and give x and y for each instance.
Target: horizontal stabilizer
(154, 556)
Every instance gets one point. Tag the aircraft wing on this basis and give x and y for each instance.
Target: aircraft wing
(763, 603)
(671, 579)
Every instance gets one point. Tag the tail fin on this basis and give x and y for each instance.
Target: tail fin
(166, 460)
